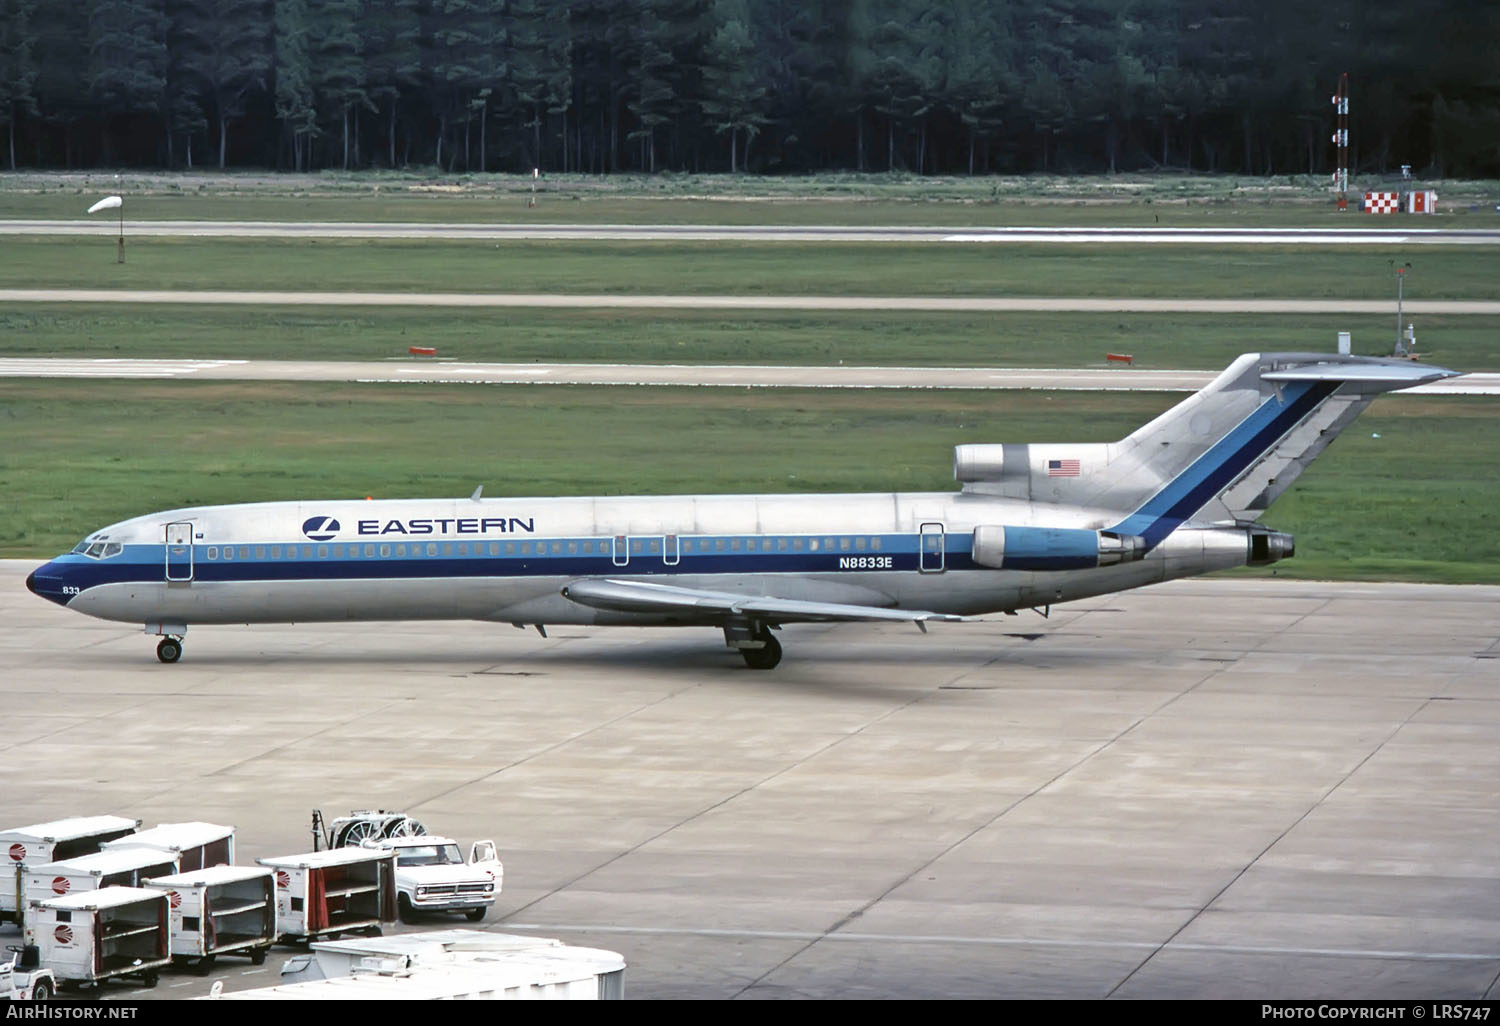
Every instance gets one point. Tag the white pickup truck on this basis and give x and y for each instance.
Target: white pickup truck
(432, 876)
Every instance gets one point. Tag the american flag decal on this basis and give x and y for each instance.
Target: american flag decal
(1062, 468)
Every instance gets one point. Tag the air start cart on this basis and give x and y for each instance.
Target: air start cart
(362, 825)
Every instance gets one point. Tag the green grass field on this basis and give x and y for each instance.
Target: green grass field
(1193, 341)
(750, 268)
(1407, 505)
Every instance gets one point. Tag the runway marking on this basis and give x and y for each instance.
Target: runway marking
(959, 304)
(1015, 942)
(1083, 379)
(20, 367)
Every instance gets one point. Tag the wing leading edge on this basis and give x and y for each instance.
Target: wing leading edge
(624, 596)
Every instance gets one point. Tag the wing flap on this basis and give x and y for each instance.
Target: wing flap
(628, 596)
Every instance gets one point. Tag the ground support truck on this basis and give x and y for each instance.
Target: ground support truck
(93, 936)
(432, 876)
(24, 978)
(53, 841)
(217, 911)
(327, 893)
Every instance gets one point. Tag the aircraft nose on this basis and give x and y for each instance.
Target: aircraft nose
(47, 584)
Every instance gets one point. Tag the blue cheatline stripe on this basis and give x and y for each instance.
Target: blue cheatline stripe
(145, 563)
(1212, 472)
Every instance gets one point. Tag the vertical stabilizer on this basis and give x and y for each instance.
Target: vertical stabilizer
(1225, 453)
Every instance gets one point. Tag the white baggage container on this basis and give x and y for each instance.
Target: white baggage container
(545, 966)
(335, 891)
(196, 844)
(124, 868)
(53, 841)
(447, 964)
(219, 910)
(114, 931)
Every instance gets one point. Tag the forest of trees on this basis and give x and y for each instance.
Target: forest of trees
(769, 86)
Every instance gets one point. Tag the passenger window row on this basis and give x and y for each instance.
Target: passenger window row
(639, 546)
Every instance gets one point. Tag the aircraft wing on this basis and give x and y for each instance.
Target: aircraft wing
(647, 597)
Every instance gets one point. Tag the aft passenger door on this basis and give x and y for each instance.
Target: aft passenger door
(179, 552)
(931, 549)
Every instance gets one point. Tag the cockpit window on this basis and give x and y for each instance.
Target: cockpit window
(99, 549)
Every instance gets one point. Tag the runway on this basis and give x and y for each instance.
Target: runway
(1385, 235)
(671, 375)
(1211, 789)
(969, 304)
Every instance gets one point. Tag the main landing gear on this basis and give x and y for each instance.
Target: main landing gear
(755, 642)
(767, 656)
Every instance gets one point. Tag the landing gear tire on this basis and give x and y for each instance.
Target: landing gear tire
(767, 656)
(169, 650)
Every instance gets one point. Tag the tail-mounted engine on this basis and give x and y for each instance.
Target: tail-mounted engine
(1053, 548)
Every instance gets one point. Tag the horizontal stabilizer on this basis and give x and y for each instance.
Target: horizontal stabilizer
(1375, 376)
(631, 596)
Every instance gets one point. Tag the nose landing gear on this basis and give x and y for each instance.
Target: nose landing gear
(169, 649)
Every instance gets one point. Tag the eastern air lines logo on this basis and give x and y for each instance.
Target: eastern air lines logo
(320, 528)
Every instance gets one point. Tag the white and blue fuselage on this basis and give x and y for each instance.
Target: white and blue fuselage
(1034, 525)
(508, 559)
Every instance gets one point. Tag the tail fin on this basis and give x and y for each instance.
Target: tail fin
(1225, 453)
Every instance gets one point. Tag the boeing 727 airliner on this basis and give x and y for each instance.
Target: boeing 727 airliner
(1032, 525)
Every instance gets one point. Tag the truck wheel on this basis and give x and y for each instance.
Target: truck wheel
(205, 965)
(42, 991)
(404, 911)
(257, 956)
(474, 915)
(149, 978)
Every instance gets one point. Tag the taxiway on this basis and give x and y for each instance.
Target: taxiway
(1210, 789)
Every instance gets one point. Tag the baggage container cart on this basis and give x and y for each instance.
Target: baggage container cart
(53, 841)
(90, 937)
(219, 910)
(325, 893)
(196, 844)
(447, 964)
(124, 868)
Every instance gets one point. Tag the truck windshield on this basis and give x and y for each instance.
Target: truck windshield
(429, 855)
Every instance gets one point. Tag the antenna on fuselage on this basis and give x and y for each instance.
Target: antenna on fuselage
(477, 491)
